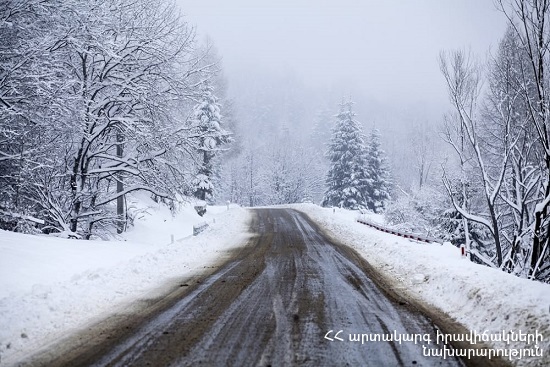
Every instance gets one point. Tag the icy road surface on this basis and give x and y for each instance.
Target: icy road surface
(270, 306)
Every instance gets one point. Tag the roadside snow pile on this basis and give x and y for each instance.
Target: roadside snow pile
(478, 297)
(49, 285)
(155, 223)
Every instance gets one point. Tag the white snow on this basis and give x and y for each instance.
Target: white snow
(479, 297)
(49, 285)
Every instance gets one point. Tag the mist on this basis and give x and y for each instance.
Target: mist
(276, 76)
(300, 58)
(246, 182)
(387, 52)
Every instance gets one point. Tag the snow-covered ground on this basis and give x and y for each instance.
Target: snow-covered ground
(49, 285)
(478, 297)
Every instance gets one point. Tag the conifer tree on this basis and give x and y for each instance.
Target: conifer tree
(378, 185)
(209, 137)
(347, 173)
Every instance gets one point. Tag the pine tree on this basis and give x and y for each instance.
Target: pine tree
(347, 174)
(209, 136)
(378, 185)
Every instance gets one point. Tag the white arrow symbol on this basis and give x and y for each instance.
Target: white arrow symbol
(335, 336)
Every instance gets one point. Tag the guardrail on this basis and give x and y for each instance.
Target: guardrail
(412, 236)
(198, 228)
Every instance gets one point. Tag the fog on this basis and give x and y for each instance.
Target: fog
(107, 104)
(287, 62)
(385, 50)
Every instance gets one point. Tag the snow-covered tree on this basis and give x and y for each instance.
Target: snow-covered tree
(464, 133)
(209, 137)
(282, 170)
(529, 21)
(378, 185)
(347, 174)
(90, 109)
(500, 136)
(28, 31)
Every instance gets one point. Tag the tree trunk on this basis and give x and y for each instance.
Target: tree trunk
(496, 234)
(538, 236)
(75, 190)
(121, 220)
(468, 243)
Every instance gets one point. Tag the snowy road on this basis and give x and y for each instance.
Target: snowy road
(272, 305)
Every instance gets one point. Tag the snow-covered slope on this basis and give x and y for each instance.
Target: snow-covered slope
(50, 285)
(478, 297)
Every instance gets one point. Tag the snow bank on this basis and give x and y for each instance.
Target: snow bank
(49, 286)
(478, 297)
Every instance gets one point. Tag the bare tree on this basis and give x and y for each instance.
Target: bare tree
(505, 112)
(529, 20)
(464, 85)
(422, 146)
(96, 90)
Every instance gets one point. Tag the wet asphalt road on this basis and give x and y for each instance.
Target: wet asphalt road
(272, 306)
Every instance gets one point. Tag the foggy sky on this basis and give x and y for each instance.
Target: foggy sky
(388, 49)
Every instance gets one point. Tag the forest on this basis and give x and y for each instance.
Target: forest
(100, 100)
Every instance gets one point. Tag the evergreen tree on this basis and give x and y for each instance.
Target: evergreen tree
(378, 185)
(347, 174)
(209, 136)
(321, 131)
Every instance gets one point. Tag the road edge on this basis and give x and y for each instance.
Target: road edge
(128, 316)
(399, 293)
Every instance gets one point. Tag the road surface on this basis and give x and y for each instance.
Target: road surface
(272, 305)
